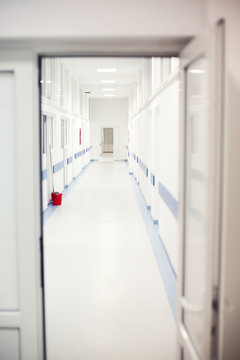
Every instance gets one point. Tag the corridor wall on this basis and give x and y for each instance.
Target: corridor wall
(153, 150)
(106, 113)
(65, 127)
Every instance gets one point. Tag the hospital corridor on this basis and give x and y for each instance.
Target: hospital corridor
(119, 182)
(101, 268)
(104, 258)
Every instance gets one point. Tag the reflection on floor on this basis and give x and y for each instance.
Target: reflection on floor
(106, 157)
(105, 298)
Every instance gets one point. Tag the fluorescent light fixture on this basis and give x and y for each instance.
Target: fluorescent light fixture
(108, 81)
(109, 89)
(196, 71)
(111, 70)
(109, 95)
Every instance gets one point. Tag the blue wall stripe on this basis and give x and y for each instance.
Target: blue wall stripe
(69, 160)
(166, 269)
(153, 179)
(89, 148)
(50, 209)
(196, 215)
(57, 167)
(44, 174)
(168, 198)
(143, 167)
(78, 154)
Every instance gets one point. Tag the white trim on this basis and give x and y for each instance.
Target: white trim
(172, 77)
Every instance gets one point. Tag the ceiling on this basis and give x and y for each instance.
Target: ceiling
(85, 71)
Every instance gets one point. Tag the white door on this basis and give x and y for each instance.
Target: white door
(47, 132)
(102, 142)
(64, 145)
(21, 330)
(108, 140)
(200, 197)
(74, 140)
(116, 153)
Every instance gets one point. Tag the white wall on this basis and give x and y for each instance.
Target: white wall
(100, 18)
(154, 140)
(64, 100)
(109, 114)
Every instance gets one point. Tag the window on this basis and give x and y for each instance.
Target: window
(64, 135)
(44, 134)
(64, 87)
(47, 81)
(47, 133)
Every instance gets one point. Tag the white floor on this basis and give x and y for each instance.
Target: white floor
(105, 299)
(106, 157)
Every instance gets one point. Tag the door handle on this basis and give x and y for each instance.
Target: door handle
(189, 307)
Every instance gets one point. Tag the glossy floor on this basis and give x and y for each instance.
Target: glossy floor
(105, 298)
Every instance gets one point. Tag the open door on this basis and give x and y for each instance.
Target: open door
(200, 217)
(21, 280)
(47, 148)
(108, 134)
(64, 146)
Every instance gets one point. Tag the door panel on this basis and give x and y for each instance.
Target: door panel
(108, 140)
(199, 215)
(197, 195)
(21, 294)
(9, 344)
(9, 297)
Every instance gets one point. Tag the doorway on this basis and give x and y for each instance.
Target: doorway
(153, 91)
(98, 114)
(108, 140)
(47, 152)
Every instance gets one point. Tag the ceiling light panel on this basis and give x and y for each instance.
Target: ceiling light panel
(108, 89)
(196, 71)
(107, 70)
(108, 81)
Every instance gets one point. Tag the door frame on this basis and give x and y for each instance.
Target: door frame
(28, 319)
(111, 152)
(214, 37)
(78, 47)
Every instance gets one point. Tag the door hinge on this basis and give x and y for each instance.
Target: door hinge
(41, 263)
(214, 327)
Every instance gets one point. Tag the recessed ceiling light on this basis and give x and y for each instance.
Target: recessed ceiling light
(109, 95)
(106, 70)
(108, 89)
(108, 81)
(196, 71)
